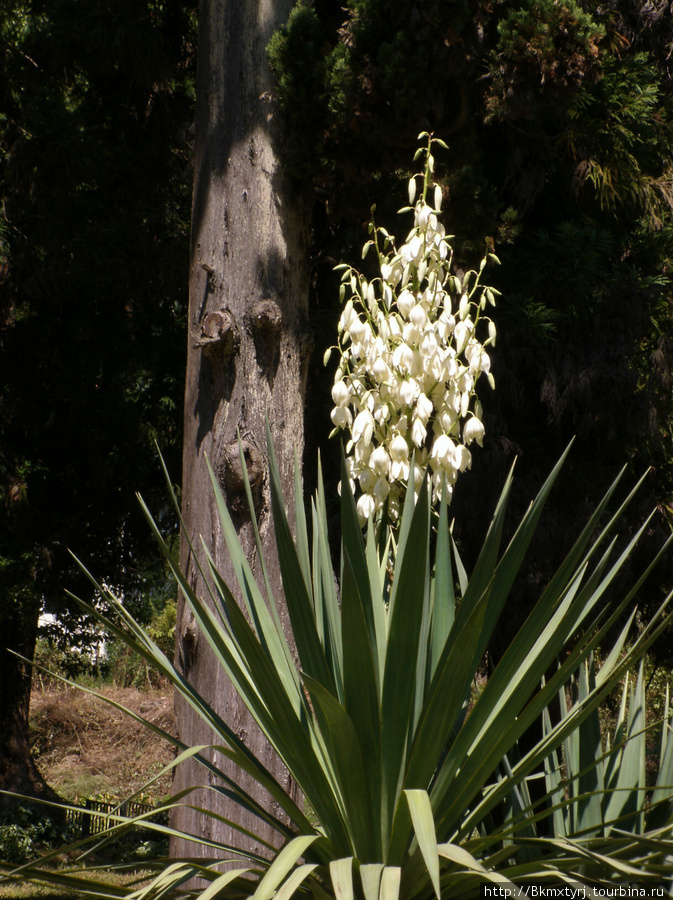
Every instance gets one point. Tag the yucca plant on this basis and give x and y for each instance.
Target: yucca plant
(410, 764)
(599, 785)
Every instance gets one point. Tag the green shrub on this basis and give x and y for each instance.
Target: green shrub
(27, 832)
(124, 668)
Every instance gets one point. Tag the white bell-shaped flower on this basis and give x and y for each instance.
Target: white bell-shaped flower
(412, 335)
(409, 391)
(342, 417)
(473, 430)
(357, 329)
(380, 461)
(392, 273)
(382, 414)
(442, 451)
(412, 252)
(418, 432)
(429, 346)
(366, 507)
(405, 303)
(381, 491)
(363, 428)
(367, 480)
(403, 358)
(424, 408)
(422, 215)
(462, 457)
(380, 369)
(399, 455)
(419, 316)
(340, 393)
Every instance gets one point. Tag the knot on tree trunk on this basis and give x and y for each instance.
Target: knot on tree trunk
(265, 322)
(232, 479)
(254, 464)
(266, 318)
(218, 335)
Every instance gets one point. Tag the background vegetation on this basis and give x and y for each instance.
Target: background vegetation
(96, 106)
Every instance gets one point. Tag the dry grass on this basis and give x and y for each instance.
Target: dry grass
(85, 747)
(26, 891)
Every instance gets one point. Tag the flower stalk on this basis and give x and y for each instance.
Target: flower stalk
(412, 345)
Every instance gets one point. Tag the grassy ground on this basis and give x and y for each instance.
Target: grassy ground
(27, 891)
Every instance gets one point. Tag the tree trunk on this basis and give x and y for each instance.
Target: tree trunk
(248, 349)
(18, 772)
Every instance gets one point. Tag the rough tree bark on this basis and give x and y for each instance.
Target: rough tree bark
(248, 348)
(18, 772)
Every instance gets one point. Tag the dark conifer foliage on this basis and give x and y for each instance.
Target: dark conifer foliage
(96, 107)
(559, 119)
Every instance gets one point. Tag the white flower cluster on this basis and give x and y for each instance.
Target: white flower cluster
(411, 354)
